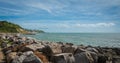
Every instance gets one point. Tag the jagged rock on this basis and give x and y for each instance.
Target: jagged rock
(63, 58)
(27, 57)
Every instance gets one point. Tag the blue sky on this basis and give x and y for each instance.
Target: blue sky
(63, 15)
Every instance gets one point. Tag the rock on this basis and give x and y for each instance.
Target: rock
(116, 59)
(102, 58)
(92, 50)
(86, 57)
(56, 48)
(8, 51)
(11, 39)
(11, 56)
(68, 49)
(46, 51)
(32, 47)
(117, 50)
(41, 56)
(27, 57)
(79, 50)
(63, 58)
(3, 45)
(2, 57)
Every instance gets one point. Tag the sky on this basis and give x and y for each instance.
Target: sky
(63, 15)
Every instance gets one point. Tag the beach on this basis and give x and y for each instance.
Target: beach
(19, 49)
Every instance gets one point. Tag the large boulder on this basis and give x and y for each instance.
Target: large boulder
(63, 58)
(41, 56)
(32, 47)
(56, 48)
(102, 58)
(27, 57)
(116, 59)
(46, 51)
(86, 57)
(79, 50)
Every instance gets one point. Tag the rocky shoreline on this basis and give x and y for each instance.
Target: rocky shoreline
(17, 49)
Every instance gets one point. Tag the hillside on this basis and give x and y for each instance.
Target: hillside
(8, 27)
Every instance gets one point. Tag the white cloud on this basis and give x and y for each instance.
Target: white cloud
(58, 7)
(95, 25)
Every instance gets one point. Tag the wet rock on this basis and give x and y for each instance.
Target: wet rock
(63, 58)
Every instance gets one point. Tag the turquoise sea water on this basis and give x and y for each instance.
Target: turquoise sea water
(94, 39)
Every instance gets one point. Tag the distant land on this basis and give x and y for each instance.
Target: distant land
(8, 27)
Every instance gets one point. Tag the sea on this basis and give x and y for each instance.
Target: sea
(87, 39)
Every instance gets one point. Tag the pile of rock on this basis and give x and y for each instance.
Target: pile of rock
(24, 50)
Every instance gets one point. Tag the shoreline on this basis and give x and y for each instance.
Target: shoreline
(91, 39)
(15, 47)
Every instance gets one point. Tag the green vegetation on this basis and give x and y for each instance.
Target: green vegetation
(8, 27)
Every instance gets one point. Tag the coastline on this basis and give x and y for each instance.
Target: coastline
(15, 47)
(93, 39)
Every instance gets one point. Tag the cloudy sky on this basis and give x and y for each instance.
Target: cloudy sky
(63, 15)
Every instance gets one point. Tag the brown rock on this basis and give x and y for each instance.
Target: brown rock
(63, 58)
(11, 56)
